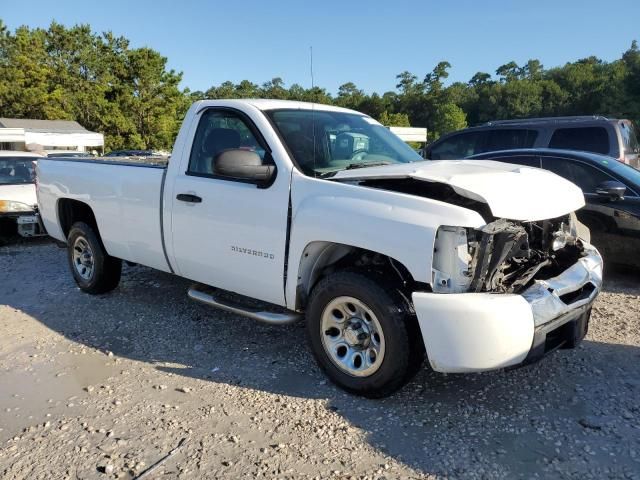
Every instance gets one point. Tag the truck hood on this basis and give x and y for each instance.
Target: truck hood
(23, 193)
(511, 191)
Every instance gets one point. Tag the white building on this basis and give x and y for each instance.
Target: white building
(47, 135)
(410, 134)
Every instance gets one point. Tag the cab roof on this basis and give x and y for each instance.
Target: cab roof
(268, 104)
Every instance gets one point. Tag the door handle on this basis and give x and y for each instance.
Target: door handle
(188, 197)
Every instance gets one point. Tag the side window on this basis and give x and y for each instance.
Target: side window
(509, 139)
(220, 130)
(588, 139)
(458, 146)
(584, 176)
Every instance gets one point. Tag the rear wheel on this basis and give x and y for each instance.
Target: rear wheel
(363, 334)
(93, 269)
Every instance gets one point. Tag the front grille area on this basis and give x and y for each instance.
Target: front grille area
(582, 293)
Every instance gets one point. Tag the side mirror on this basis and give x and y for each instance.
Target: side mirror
(611, 189)
(243, 165)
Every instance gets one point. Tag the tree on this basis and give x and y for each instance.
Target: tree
(533, 70)
(508, 72)
(25, 77)
(407, 83)
(394, 119)
(73, 73)
(480, 78)
(156, 103)
(246, 89)
(136, 101)
(433, 81)
(449, 117)
(631, 83)
(274, 88)
(349, 96)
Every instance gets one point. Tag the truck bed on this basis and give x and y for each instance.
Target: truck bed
(157, 162)
(124, 195)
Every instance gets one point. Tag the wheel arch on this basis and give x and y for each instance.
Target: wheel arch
(71, 211)
(320, 258)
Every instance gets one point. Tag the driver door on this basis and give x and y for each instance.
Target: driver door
(229, 233)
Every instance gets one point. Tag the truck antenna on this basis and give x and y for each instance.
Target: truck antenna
(311, 65)
(313, 119)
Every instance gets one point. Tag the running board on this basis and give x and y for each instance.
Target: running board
(207, 295)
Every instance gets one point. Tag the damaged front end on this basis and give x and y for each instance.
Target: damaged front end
(504, 256)
(513, 292)
(507, 255)
(547, 262)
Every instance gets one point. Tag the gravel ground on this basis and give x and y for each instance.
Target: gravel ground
(106, 386)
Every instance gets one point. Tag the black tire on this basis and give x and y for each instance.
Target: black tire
(404, 349)
(106, 270)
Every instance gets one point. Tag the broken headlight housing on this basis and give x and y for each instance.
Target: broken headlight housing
(11, 206)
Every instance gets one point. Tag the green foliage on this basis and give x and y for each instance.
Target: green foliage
(449, 117)
(130, 96)
(394, 119)
(73, 73)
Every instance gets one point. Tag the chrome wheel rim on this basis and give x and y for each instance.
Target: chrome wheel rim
(83, 258)
(352, 336)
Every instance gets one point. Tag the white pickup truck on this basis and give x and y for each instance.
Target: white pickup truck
(321, 212)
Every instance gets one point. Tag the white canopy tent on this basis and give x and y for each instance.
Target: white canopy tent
(21, 134)
(410, 134)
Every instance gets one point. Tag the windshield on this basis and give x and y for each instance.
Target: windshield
(630, 174)
(629, 138)
(323, 143)
(16, 170)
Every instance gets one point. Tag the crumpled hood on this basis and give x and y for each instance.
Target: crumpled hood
(24, 193)
(512, 191)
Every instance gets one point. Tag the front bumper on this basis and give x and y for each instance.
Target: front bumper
(467, 332)
(28, 224)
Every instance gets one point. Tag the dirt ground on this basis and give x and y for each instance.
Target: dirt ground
(106, 386)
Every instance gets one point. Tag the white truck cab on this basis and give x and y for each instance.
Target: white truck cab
(321, 213)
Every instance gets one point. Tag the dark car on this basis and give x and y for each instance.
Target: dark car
(130, 153)
(615, 138)
(611, 190)
(69, 155)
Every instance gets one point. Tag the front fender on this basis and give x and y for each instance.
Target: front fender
(397, 225)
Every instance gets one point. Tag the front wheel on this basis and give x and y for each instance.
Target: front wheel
(363, 335)
(93, 269)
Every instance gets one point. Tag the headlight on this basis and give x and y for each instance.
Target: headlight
(10, 206)
(451, 259)
(567, 234)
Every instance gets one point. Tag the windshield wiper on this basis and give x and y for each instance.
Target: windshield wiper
(351, 166)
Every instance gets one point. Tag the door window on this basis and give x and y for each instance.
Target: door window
(458, 146)
(588, 139)
(220, 130)
(584, 176)
(509, 139)
(526, 160)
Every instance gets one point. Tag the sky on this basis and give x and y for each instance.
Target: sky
(365, 42)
